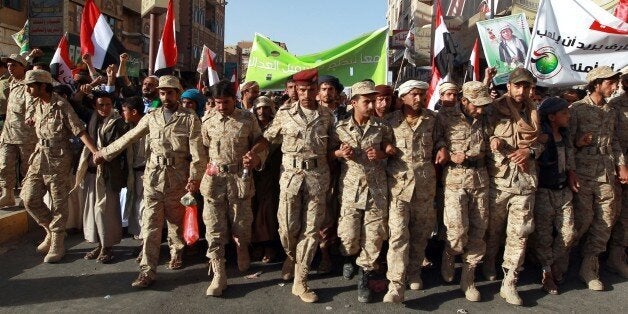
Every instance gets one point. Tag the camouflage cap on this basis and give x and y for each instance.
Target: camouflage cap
(477, 93)
(519, 75)
(169, 81)
(445, 86)
(262, 101)
(602, 72)
(363, 88)
(37, 76)
(16, 57)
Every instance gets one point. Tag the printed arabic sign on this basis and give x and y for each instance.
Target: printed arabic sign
(397, 39)
(505, 42)
(569, 42)
(361, 58)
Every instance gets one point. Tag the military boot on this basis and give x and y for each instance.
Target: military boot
(488, 269)
(548, 282)
(57, 250)
(364, 292)
(395, 293)
(348, 268)
(300, 288)
(589, 273)
(287, 271)
(467, 283)
(508, 291)
(7, 197)
(219, 282)
(448, 266)
(244, 260)
(617, 261)
(44, 246)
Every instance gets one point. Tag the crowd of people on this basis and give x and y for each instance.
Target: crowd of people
(319, 167)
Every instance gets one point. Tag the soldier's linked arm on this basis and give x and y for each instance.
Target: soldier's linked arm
(197, 151)
(118, 146)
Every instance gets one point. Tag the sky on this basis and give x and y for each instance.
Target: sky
(305, 26)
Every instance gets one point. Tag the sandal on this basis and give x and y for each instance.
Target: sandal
(93, 254)
(269, 255)
(105, 256)
(175, 263)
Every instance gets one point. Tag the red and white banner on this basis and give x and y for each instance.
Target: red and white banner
(97, 39)
(439, 63)
(167, 53)
(474, 62)
(572, 37)
(235, 81)
(60, 63)
(206, 63)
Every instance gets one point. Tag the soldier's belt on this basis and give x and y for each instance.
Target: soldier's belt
(469, 163)
(165, 161)
(305, 164)
(228, 168)
(558, 186)
(52, 143)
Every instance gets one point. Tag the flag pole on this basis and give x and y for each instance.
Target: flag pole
(403, 60)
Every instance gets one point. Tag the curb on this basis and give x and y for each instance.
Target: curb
(13, 224)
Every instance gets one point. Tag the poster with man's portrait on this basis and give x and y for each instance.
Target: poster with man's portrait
(505, 41)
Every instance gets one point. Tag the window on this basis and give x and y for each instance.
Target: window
(12, 4)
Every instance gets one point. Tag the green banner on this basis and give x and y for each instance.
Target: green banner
(362, 58)
(21, 38)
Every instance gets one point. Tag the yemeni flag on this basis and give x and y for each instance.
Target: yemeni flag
(234, 80)
(207, 66)
(60, 64)
(439, 57)
(97, 38)
(474, 63)
(167, 53)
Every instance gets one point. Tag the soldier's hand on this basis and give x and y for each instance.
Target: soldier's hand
(442, 156)
(520, 156)
(390, 150)
(112, 69)
(98, 158)
(572, 180)
(345, 151)
(85, 89)
(192, 186)
(622, 174)
(458, 157)
(490, 73)
(496, 144)
(250, 160)
(584, 140)
(373, 154)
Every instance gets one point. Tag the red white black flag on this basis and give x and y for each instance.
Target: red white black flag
(167, 53)
(474, 63)
(206, 63)
(439, 57)
(97, 38)
(60, 63)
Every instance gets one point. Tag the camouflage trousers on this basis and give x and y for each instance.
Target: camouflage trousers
(362, 231)
(553, 212)
(330, 225)
(227, 211)
(597, 208)
(466, 219)
(34, 188)
(619, 236)
(410, 224)
(160, 206)
(300, 217)
(10, 155)
(510, 214)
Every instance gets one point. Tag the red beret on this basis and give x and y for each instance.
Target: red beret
(384, 90)
(308, 76)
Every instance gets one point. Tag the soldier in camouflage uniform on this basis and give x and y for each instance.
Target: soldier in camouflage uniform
(4, 92)
(412, 184)
(361, 142)
(175, 166)
(18, 138)
(227, 186)
(599, 160)
(553, 209)
(514, 131)
(619, 237)
(304, 128)
(465, 130)
(51, 163)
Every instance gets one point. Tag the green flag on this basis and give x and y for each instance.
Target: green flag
(21, 38)
(361, 58)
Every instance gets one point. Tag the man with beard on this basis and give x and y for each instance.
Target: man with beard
(150, 94)
(250, 92)
(466, 135)
(514, 129)
(174, 135)
(599, 163)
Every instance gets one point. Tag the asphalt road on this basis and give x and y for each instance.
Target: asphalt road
(78, 285)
